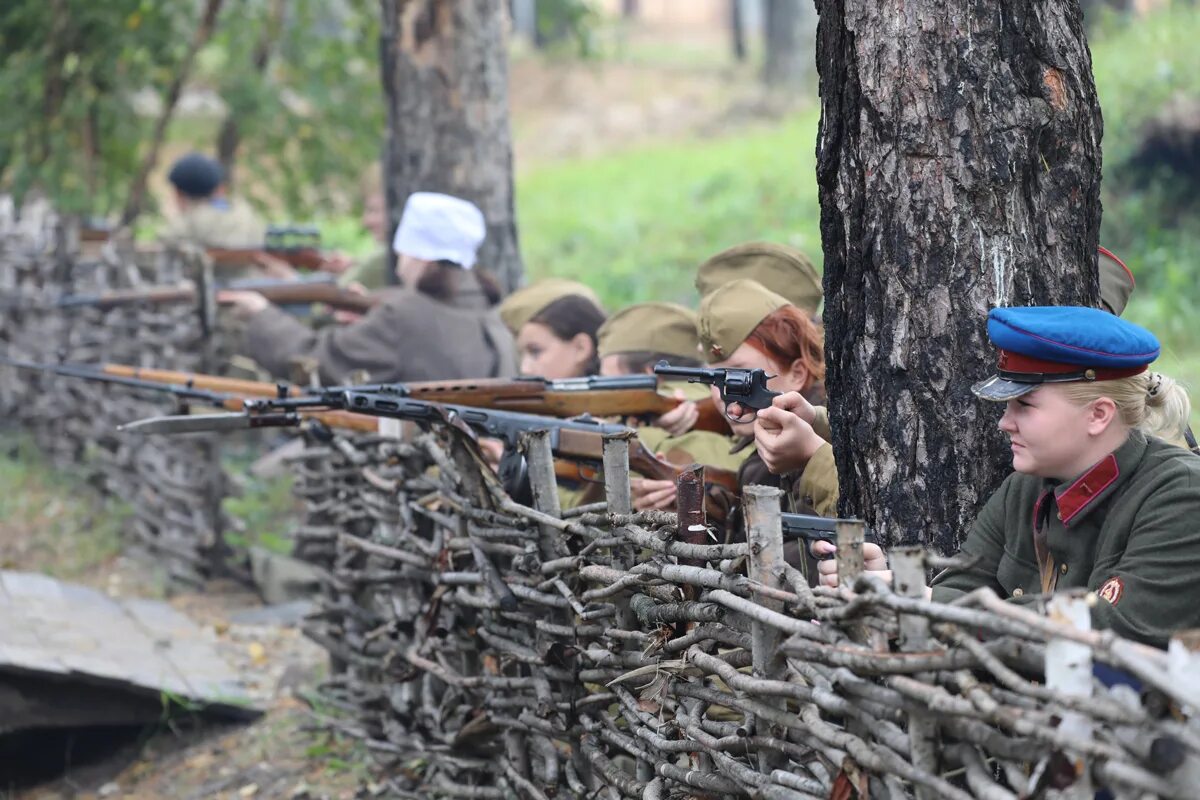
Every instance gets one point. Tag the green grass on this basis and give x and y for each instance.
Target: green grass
(635, 225)
(1151, 221)
(50, 520)
(267, 508)
(1139, 65)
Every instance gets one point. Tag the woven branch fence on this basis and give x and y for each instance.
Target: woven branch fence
(487, 649)
(492, 650)
(173, 486)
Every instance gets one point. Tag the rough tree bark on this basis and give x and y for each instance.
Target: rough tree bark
(788, 33)
(958, 169)
(445, 75)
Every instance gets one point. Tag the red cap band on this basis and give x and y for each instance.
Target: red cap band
(1011, 362)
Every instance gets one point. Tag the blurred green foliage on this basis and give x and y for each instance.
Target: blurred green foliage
(77, 72)
(314, 119)
(70, 69)
(50, 519)
(1151, 221)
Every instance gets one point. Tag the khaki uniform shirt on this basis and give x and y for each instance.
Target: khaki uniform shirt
(409, 336)
(1127, 529)
(219, 223)
(371, 272)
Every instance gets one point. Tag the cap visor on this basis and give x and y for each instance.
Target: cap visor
(998, 389)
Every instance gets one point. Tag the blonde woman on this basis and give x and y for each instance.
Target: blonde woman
(1094, 502)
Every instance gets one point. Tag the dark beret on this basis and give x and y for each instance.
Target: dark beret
(195, 175)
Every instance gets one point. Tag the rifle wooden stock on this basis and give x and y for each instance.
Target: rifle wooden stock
(329, 294)
(343, 420)
(283, 293)
(532, 397)
(301, 257)
(505, 395)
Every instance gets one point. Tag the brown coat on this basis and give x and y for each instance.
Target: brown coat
(409, 336)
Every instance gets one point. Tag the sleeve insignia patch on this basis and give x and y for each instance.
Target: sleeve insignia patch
(1112, 590)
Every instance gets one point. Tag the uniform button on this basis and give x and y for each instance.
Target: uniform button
(1063, 569)
(1017, 592)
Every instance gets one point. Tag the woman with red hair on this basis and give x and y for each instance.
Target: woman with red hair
(745, 325)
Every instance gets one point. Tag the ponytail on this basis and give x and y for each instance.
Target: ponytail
(1167, 407)
(1153, 403)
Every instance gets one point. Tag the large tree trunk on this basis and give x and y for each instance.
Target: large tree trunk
(958, 170)
(445, 74)
(789, 29)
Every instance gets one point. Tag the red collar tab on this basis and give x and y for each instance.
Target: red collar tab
(1014, 365)
(1086, 488)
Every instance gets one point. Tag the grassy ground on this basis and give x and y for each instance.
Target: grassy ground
(50, 521)
(635, 225)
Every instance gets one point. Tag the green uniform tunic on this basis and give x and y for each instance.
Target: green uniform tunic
(371, 272)
(219, 223)
(1127, 529)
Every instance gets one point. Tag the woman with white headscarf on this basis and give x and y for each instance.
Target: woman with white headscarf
(440, 324)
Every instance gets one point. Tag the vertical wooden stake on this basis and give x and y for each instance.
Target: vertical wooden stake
(692, 527)
(908, 579)
(616, 473)
(850, 534)
(1069, 672)
(544, 486)
(764, 534)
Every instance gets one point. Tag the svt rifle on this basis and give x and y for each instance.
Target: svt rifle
(237, 395)
(315, 289)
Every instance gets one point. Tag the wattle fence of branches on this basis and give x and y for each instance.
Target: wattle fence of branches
(487, 649)
(173, 487)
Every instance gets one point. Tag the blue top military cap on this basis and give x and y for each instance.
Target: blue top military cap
(196, 175)
(1058, 344)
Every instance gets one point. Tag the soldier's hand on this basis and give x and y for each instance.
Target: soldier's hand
(648, 494)
(784, 439)
(246, 302)
(680, 419)
(276, 267)
(336, 263)
(797, 404)
(873, 561)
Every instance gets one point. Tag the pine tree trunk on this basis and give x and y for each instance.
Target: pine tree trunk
(958, 170)
(788, 32)
(445, 75)
(737, 30)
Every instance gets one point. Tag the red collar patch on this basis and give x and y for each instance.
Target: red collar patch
(1086, 488)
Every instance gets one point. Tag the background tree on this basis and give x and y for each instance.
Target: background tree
(445, 75)
(788, 34)
(958, 169)
(74, 71)
(308, 120)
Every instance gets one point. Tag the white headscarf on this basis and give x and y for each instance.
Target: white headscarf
(438, 227)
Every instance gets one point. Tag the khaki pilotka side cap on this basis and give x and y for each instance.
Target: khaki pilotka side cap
(731, 313)
(1116, 282)
(526, 303)
(665, 328)
(784, 270)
